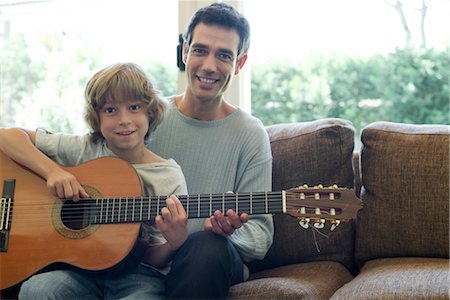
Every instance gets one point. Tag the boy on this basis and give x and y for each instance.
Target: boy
(122, 109)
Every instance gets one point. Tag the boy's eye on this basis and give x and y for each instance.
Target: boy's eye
(109, 110)
(135, 107)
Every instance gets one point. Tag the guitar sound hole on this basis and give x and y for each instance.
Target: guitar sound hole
(75, 215)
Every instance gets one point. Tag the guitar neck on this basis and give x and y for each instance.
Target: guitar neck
(139, 209)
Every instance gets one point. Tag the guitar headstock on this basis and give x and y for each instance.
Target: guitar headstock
(320, 204)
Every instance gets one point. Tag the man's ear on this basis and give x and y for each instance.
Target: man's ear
(240, 63)
(185, 51)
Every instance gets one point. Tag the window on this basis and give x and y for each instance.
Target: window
(51, 48)
(308, 59)
(349, 59)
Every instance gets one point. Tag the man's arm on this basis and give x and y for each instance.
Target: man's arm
(252, 235)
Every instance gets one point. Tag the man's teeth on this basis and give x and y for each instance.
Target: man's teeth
(125, 132)
(206, 80)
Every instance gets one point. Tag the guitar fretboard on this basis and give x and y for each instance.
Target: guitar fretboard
(138, 209)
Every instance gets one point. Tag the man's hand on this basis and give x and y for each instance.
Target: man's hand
(173, 223)
(225, 225)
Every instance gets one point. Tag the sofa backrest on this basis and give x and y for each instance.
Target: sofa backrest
(312, 153)
(405, 191)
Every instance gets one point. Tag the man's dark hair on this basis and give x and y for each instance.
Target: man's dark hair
(224, 15)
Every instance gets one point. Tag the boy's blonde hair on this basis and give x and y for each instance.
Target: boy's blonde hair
(122, 81)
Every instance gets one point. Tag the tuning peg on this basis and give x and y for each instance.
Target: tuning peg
(319, 224)
(304, 222)
(334, 224)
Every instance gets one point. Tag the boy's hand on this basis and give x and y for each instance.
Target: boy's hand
(173, 223)
(64, 185)
(225, 225)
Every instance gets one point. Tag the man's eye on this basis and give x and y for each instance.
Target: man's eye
(198, 51)
(225, 57)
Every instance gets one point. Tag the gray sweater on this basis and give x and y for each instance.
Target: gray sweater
(232, 154)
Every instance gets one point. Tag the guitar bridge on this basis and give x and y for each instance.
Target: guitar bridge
(6, 204)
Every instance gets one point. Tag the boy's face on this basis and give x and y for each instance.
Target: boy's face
(124, 124)
(211, 61)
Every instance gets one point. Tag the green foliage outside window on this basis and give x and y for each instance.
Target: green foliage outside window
(410, 85)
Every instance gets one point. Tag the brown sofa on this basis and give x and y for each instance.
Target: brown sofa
(398, 245)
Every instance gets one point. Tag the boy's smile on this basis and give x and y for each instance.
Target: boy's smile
(124, 125)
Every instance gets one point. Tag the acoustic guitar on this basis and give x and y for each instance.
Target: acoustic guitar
(38, 230)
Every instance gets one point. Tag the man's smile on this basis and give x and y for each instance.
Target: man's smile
(207, 80)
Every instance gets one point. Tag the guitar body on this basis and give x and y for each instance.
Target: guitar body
(38, 237)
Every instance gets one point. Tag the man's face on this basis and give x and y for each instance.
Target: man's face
(211, 61)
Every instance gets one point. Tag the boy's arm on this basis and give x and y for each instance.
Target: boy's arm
(19, 145)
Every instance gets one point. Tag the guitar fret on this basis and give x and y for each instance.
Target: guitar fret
(118, 213)
(3, 201)
(95, 215)
(140, 212)
(198, 206)
(126, 209)
(149, 208)
(134, 207)
(112, 210)
(157, 207)
(210, 204)
(267, 204)
(107, 210)
(187, 205)
(251, 203)
(237, 205)
(101, 212)
(284, 202)
(223, 203)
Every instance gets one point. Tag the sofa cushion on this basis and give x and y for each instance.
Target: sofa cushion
(314, 280)
(312, 152)
(399, 278)
(405, 191)
(318, 152)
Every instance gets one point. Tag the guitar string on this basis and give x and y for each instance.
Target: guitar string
(132, 214)
(213, 201)
(204, 200)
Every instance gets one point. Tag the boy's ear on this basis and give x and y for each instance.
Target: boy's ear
(240, 63)
(185, 51)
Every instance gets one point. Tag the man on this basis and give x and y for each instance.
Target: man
(219, 148)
